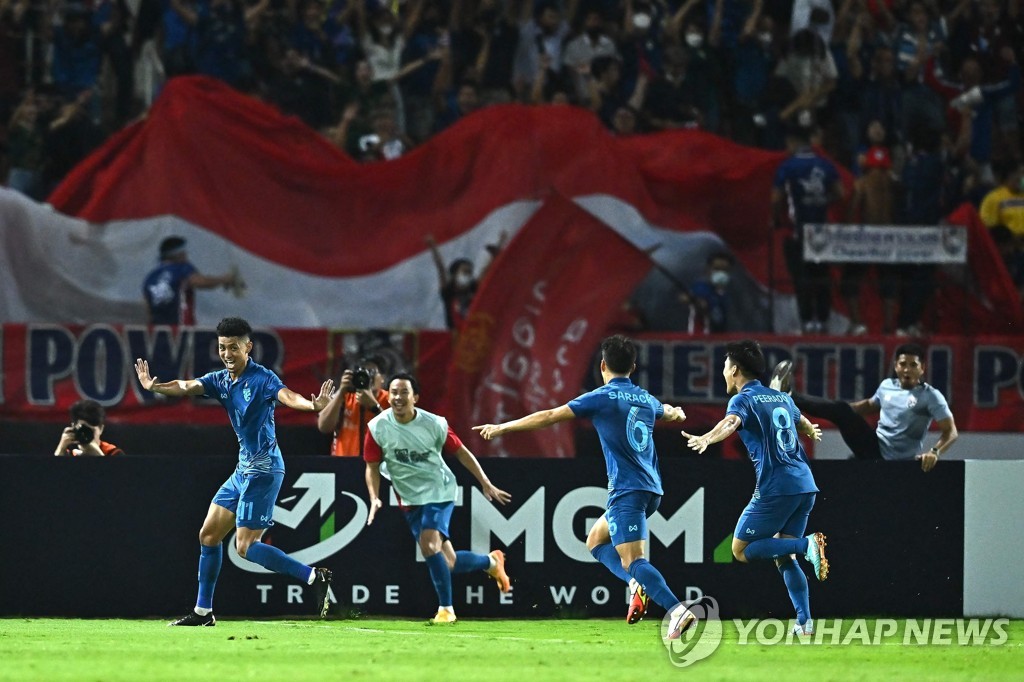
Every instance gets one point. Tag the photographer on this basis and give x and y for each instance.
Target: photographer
(82, 438)
(363, 398)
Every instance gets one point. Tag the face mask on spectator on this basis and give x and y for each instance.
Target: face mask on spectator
(765, 38)
(642, 21)
(385, 29)
(719, 278)
(463, 279)
(694, 40)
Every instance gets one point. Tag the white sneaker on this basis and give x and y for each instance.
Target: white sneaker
(804, 630)
(682, 620)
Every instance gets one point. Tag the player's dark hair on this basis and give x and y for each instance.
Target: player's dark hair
(89, 411)
(234, 327)
(910, 349)
(407, 377)
(619, 353)
(746, 355)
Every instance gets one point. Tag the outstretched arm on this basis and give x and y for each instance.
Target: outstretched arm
(175, 388)
(673, 413)
(472, 465)
(722, 430)
(531, 422)
(315, 403)
(808, 429)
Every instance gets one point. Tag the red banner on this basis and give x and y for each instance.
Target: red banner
(45, 368)
(526, 347)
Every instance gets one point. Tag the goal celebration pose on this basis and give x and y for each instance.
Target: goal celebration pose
(249, 392)
(624, 416)
(772, 525)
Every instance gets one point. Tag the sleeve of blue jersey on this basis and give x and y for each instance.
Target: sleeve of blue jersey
(272, 386)
(780, 176)
(738, 406)
(209, 382)
(586, 405)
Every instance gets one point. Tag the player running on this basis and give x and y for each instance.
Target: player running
(405, 444)
(249, 393)
(624, 416)
(775, 519)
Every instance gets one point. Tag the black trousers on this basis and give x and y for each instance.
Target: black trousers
(856, 432)
(812, 282)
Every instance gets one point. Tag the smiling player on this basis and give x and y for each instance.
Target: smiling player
(249, 392)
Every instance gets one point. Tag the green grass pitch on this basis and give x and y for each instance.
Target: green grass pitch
(50, 650)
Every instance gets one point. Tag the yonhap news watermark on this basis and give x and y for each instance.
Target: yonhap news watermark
(701, 641)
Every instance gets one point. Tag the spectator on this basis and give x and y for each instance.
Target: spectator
(881, 98)
(754, 64)
(672, 99)
(540, 36)
(361, 397)
(169, 290)
(814, 15)
(385, 141)
(454, 105)
(1005, 204)
(873, 203)
(923, 181)
(76, 52)
(709, 297)
(83, 437)
(808, 183)
(973, 99)
(810, 70)
(302, 88)
(591, 43)
(457, 284)
(920, 40)
(25, 144)
(363, 96)
(485, 45)
(220, 28)
(1012, 254)
(991, 35)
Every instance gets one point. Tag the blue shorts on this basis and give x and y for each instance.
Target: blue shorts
(627, 514)
(251, 498)
(766, 516)
(433, 516)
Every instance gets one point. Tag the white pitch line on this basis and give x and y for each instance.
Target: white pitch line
(424, 633)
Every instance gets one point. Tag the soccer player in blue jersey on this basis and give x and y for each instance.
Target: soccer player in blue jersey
(773, 524)
(249, 392)
(624, 416)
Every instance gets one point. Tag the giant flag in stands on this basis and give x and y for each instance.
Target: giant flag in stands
(325, 242)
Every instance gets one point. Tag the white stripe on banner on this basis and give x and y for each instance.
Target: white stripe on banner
(993, 552)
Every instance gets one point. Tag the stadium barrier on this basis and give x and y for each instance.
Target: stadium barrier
(117, 537)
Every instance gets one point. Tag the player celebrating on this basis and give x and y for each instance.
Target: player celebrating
(248, 391)
(775, 519)
(624, 416)
(405, 444)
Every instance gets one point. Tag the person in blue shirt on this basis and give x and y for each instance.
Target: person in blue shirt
(249, 393)
(808, 184)
(906, 404)
(169, 289)
(624, 416)
(774, 521)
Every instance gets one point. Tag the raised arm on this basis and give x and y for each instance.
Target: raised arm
(327, 419)
(175, 388)
(722, 430)
(468, 460)
(315, 403)
(531, 422)
(673, 413)
(435, 253)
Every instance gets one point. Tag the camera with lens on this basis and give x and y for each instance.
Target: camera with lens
(84, 433)
(361, 377)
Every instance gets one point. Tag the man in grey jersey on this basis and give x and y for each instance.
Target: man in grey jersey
(907, 406)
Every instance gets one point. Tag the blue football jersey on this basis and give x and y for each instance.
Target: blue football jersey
(768, 421)
(624, 415)
(164, 290)
(250, 402)
(806, 178)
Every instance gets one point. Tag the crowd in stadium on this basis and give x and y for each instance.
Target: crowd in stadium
(933, 82)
